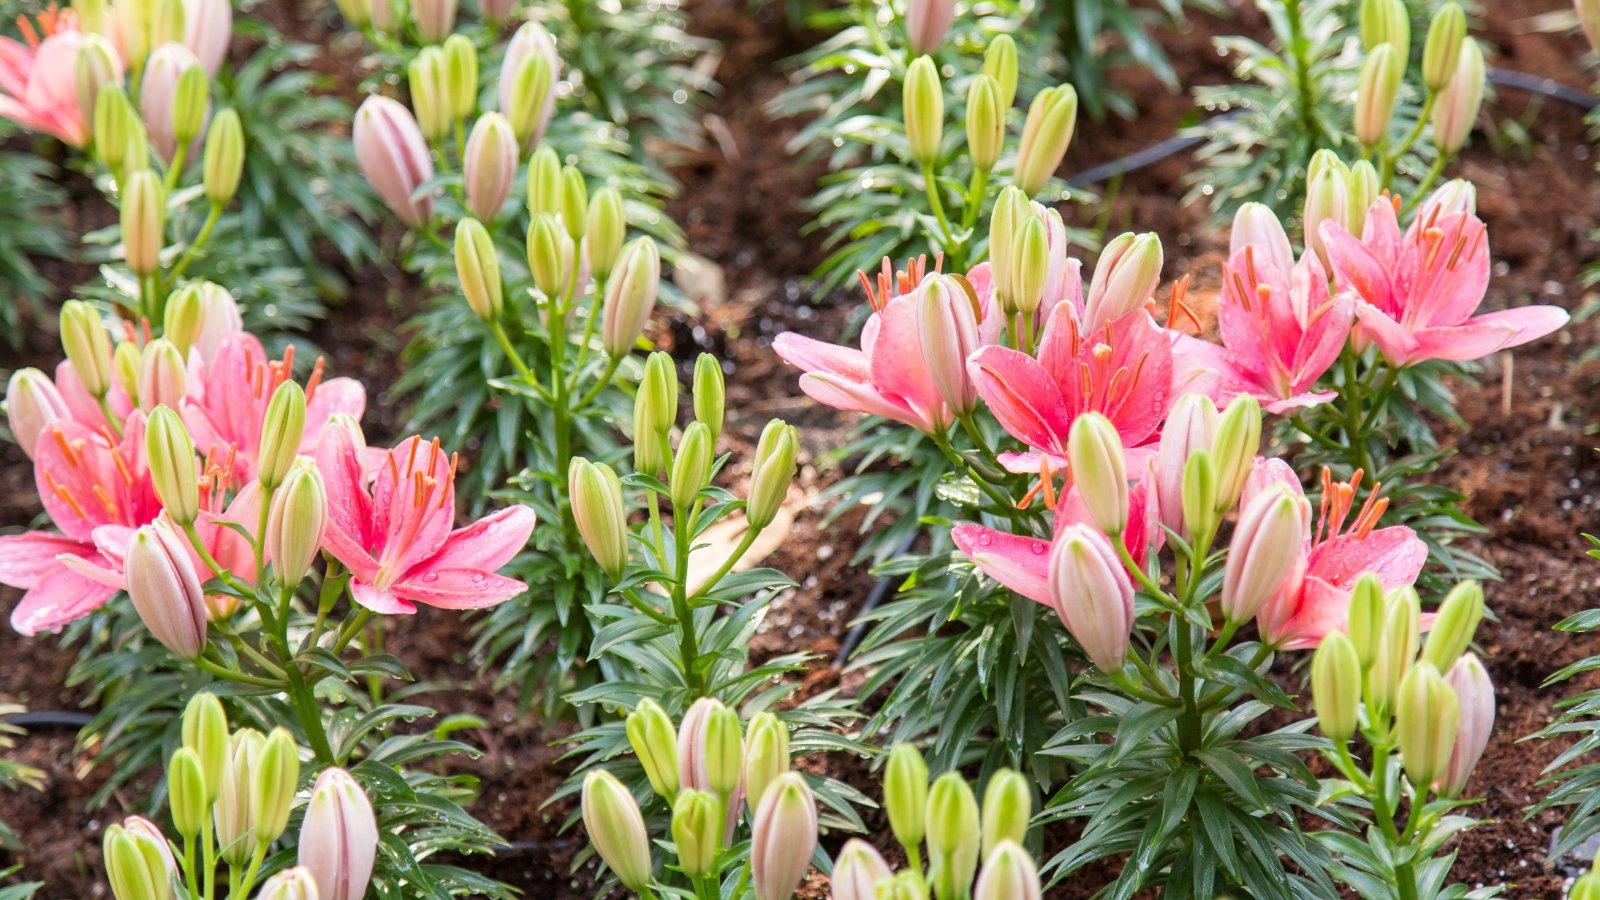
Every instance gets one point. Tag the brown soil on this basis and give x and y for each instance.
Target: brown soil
(1529, 471)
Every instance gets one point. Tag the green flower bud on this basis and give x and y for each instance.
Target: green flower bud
(1336, 686)
(1453, 630)
(724, 749)
(224, 157)
(1397, 651)
(529, 96)
(691, 467)
(430, 94)
(1457, 107)
(697, 832)
(548, 255)
(205, 731)
(1376, 92)
(1368, 610)
(184, 317)
(1009, 873)
(91, 15)
(114, 126)
(1127, 273)
(1030, 265)
(144, 222)
(1363, 190)
(905, 886)
(281, 429)
(574, 202)
(189, 104)
(167, 23)
(655, 742)
(1000, 63)
(905, 794)
(296, 521)
(1427, 714)
(544, 183)
(296, 883)
(233, 813)
(953, 836)
(1200, 493)
(772, 473)
(766, 754)
(986, 123)
(616, 829)
(1011, 212)
(1587, 887)
(461, 75)
(163, 375)
(1441, 52)
(87, 345)
(126, 361)
(709, 393)
(97, 68)
(273, 781)
(172, 465)
(1007, 809)
(1234, 450)
(478, 269)
(596, 497)
(606, 229)
(137, 863)
(630, 296)
(923, 106)
(1052, 117)
(186, 789)
(1386, 22)
(1327, 200)
(655, 411)
(1099, 471)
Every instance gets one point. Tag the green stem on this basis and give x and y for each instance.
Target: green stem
(976, 189)
(175, 168)
(688, 643)
(1141, 576)
(749, 538)
(588, 331)
(1183, 656)
(111, 417)
(251, 873)
(644, 606)
(1300, 48)
(191, 866)
(209, 854)
(605, 379)
(195, 245)
(227, 674)
(1003, 504)
(1357, 448)
(523, 372)
(305, 707)
(1390, 159)
(930, 186)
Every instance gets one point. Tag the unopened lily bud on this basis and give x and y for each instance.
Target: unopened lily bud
(655, 410)
(630, 296)
(1475, 695)
(1363, 189)
(224, 157)
(1427, 714)
(1327, 200)
(1126, 275)
(97, 67)
(138, 863)
(655, 742)
(339, 837)
(189, 104)
(233, 815)
(1368, 609)
(527, 82)
(172, 465)
(167, 23)
(1457, 107)
(544, 183)
(1234, 451)
(497, 11)
(460, 76)
(163, 375)
(273, 781)
(1008, 873)
(1091, 594)
(490, 166)
(724, 750)
(295, 523)
(290, 884)
(616, 829)
(1397, 650)
(159, 98)
(205, 731)
(947, 329)
(953, 836)
(1029, 264)
(184, 317)
(858, 870)
(1386, 22)
(710, 393)
(1459, 615)
(430, 94)
(927, 22)
(114, 121)
(1010, 214)
(1587, 887)
(1336, 686)
(92, 15)
(186, 793)
(393, 155)
(1199, 498)
(88, 347)
(1007, 809)
(281, 428)
(1000, 63)
(596, 497)
(905, 794)
(607, 228)
(220, 319)
(574, 202)
(434, 19)
(1099, 471)
(126, 362)
(1376, 92)
(207, 31)
(478, 270)
(1191, 427)
(783, 838)
(772, 474)
(1454, 196)
(691, 466)
(766, 754)
(32, 402)
(358, 12)
(923, 108)
(1052, 117)
(1441, 52)
(144, 220)
(1267, 549)
(697, 831)
(986, 123)
(548, 255)
(1255, 225)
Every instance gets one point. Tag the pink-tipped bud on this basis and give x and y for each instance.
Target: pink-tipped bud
(296, 521)
(165, 589)
(1099, 471)
(1127, 274)
(630, 296)
(528, 78)
(1256, 225)
(927, 22)
(858, 871)
(1191, 426)
(1268, 548)
(1008, 873)
(491, 165)
(435, 19)
(1475, 692)
(1456, 109)
(163, 375)
(339, 837)
(291, 884)
(784, 837)
(1092, 594)
(207, 31)
(219, 319)
(32, 402)
(947, 328)
(394, 157)
(158, 95)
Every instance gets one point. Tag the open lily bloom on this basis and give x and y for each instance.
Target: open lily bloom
(888, 376)
(395, 535)
(1316, 598)
(38, 80)
(1419, 291)
(97, 491)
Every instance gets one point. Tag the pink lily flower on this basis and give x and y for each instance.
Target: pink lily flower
(1419, 292)
(395, 536)
(1315, 598)
(97, 491)
(888, 376)
(227, 406)
(38, 80)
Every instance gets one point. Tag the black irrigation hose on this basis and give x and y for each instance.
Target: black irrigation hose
(49, 718)
(1547, 87)
(852, 638)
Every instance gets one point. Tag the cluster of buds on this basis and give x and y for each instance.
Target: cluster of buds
(230, 795)
(394, 145)
(705, 769)
(1452, 75)
(1435, 705)
(958, 834)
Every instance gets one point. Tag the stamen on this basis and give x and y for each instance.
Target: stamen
(1047, 480)
(64, 494)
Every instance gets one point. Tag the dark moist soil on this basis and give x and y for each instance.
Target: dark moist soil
(1527, 466)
